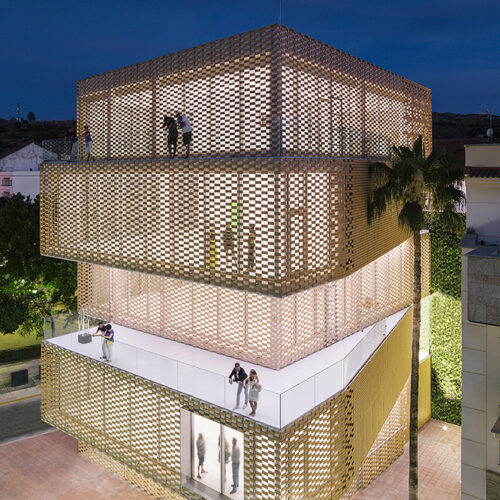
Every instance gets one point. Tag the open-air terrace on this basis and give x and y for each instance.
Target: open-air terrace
(286, 394)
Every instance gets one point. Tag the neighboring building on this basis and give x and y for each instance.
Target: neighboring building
(20, 171)
(256, 249)
(481, 325)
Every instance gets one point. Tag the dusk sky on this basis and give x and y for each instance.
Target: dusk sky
(450, 46)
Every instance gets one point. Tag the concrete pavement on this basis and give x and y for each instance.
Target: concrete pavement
(21, 419)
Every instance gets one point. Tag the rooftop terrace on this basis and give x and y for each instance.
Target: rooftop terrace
(266, 92)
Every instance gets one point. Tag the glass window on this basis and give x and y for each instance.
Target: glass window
(207, 468)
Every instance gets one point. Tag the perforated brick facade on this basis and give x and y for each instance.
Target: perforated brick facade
(320, 456)
(194, 219)
(256, 247)
(268, 331)
(270, 91)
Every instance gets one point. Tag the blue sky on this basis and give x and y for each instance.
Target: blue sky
(453, 47)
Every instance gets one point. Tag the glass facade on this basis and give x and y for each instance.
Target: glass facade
(207, 468)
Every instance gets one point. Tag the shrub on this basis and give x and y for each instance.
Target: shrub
(20, 354)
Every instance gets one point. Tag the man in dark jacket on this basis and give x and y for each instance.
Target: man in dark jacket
(239, 375)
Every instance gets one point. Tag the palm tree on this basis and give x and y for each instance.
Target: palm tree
(412, 182)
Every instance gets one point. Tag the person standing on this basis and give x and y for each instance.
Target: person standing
(101, 329)
(173, 134)
(226, 457)
(109, 337)
(74, 145)
(211, 257)
(251, 247)
(239, 375)
(235, 459)
(253, 393)
(187, 131)
(200, 450)
(228, 242)
(88, 142)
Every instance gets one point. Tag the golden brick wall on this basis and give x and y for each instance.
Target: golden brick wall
(251, 327)
(137, 423)
(192, 220)
(270, 91)
(325, 453)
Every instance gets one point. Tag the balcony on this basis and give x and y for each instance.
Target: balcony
(268, 92)
(267, 225)
(286, 394)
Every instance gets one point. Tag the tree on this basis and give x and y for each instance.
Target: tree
(30, 285)
(410, 182)
(31, 116)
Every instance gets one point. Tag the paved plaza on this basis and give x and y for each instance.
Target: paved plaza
(438, 466)
(47, 467)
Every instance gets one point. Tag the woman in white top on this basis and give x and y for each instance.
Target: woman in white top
(255, 388)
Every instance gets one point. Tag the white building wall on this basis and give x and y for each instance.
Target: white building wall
(26, 183)
(480, 343)
(483, 207)
(28, 158)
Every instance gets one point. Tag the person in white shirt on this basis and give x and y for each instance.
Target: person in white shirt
(187, 131)
(235, 459)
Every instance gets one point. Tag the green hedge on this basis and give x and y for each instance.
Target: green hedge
(445, 321)
(20, 354)
(446, 358)
(446, 265)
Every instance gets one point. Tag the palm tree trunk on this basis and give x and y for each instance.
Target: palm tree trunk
(415, 350)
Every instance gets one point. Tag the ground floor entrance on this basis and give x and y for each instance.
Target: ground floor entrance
(212, 461)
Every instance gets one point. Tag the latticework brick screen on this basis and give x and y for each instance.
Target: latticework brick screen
(265, 92)
(193, 220)
(264, 330)
(325, 454)
(137, 423)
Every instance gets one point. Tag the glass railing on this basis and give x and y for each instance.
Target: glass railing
(332, 138)
(59, 150)
(203, 384)
(274, 409)
(67, 322)
(315, 390)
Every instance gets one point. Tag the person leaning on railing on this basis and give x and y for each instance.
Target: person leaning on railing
(88, 141)
(101, 329)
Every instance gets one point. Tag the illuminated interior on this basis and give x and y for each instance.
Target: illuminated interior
(273, 226)
(228, 106)
(269, 92)
(266, 330)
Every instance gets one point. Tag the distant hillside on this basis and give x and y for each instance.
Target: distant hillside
(452, 126)
(449, 130)
(14, 135)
